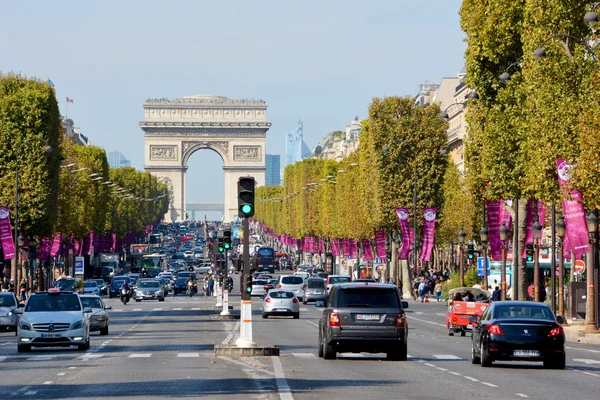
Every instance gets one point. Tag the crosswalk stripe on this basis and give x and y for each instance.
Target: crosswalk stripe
(447, 357)
(304, 355)
(304, 310)
(87, 357)
(137, 309)
(441, 314)
(188, 355)
(40, 358)
(177, 309)
(140, 355)
(2, 359)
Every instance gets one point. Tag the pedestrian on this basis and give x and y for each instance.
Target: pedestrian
(509, 293)
(211, 285)
(416, 289)
(5, 284)
(438, 291)
(530, 292)
(496, 295)
(422, 290)
(23, 288)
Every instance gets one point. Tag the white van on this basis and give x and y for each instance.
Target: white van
(294, 283)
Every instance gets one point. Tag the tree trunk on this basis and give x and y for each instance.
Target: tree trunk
(406, 281)
(394, 263)
(523, 281)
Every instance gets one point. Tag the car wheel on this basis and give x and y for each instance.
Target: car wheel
(474, 358)
(297, 315)
(265, 316)
(82, 347)
(23, 348)
(304, 302)
(398, 354)
(486, 360)
(463, 333)
(329, 352)
(320, 345)
(555, 362)
(104, 331)
(137, 300)
(163, 299)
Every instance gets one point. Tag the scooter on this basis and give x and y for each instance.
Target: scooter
(229, 285)
(125, 295)
(190, 289)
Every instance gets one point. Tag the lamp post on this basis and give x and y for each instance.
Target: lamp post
(461, 243)
(537, 234)
(503, 239)
(13, 271)
(590, 309)
(560, 231)
(483, 235)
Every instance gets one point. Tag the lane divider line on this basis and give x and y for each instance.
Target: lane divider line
(285, 393)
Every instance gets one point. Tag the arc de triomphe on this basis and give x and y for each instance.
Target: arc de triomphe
(175, 129)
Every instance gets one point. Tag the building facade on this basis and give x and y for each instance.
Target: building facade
(117, 160)
(73, 132)
(273, 172)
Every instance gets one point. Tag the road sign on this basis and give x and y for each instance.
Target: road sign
(579, 266)
(78, 265)
(480, 266)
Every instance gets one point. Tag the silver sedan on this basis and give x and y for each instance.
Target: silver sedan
(8, 319)
(99, 316)
(280, 302)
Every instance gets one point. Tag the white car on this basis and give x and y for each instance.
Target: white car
(258, 287)
(53, 319)
(293, 283)
(280, 302)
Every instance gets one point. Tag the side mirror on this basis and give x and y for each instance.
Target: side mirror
(404, 304)
(87, 310)
(108, 307)
(319, 303)
(560, 320)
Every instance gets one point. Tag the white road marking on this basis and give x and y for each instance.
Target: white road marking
(427, 322)
(430, 365)
(304, 355)
(586, 360)
(454, 373)
(589, 373)
(61, 374)
(420, 313)
(2, 359)
(188, 355)
(285, 393)
(5, 344)
(30, 393)
(441, 369)
(521, 395)
(40, 358)
(312, 323)
(264, 371)
(179, 309)
(118, 309)
(471, 378)
(88, 357)
(440, 314)
(140, 355)
(489, 384)
(577, 348)
(446, 357)
(72, 367)
(160, 309)
(195, 308)
(231, 334)
(47, 383)
(137, 309)
(306, 309)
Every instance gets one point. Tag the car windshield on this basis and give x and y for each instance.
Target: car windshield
(100, 282)
(91, 302)
(292, 280)
(315, 285)
(117, 283)
(90, 284)
(523, 312)
(53, 302)
(149, 284)
(339, 279)
(281, 295)
(368, 297)
(259, 283)
(65, 284)
(181, 281)
(7, 300)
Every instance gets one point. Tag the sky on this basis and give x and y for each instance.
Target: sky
(318, 61)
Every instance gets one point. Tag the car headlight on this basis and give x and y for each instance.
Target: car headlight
(158, 292)
(98, 317)
(24, 326)
(77, 325)
(9, 314)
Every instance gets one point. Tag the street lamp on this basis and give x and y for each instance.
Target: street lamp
(13, 271)
(503, 238)
(483, 235)
(444, 114)
(590, 309)
(540, 52)
(505, 76)
(561, 231)
(71, 165)
(537, 234)
(461, 243)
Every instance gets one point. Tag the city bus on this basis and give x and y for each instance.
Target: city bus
(264, 259)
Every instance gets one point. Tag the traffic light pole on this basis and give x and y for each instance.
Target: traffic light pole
(225, 291)
(245, 339)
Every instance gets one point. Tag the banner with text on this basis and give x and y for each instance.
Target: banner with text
(576, 225)
(8, 244)
(380, 241)
(402, 214)
(429, 215)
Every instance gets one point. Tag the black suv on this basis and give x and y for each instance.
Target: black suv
(365, 317)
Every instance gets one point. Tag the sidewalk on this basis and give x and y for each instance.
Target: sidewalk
(576, 333)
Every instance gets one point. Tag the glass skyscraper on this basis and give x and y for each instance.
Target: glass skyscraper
(295, 148)
(117, 160)
(272, 175)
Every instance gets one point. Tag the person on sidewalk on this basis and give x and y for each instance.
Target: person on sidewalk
(416, 290)
(438, 291)
(422, 290)
(496, 295)
(5, 284)
(211, 285)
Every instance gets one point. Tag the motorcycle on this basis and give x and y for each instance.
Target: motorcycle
(125, 295)
(190, 289)
(230, 285)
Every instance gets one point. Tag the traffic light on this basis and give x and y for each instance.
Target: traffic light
(248, 283)
(470, 251)
(529, 251)
(246, 196)
(227, 239)
(221, 245)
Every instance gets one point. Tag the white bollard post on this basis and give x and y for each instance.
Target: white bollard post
(225, 302)
(245, 339)
(219, 296)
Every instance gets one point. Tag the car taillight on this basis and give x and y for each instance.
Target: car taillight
(268, 300)
(400, 320)
(279, 286)
(558, 331)
(495, 330)
(294, 300)
(334, 319)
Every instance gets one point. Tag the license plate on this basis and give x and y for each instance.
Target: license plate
(367, 317)
(281, 310)
(50, 335)
(526, 353)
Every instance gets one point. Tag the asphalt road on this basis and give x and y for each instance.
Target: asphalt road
(165, 350)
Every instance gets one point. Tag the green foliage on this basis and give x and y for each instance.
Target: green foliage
(458, 210)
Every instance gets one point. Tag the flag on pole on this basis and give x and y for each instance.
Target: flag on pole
(70, 100)
(51, 83)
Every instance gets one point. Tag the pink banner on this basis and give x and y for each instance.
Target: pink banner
(345, 247)
(367, 250)
(300, 244)
(576, 225)
(353, 249)
(531, 219)
(113, 244)
(335, 247)
(55, 250)
(44, 250)
(380, 245)
(8, 244)
(402, 214)
(321, 245)
(492, 210)
(77, 248)
(309, 244)
(429, 215)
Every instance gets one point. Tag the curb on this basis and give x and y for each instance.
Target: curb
(259, 351)
(579, 336)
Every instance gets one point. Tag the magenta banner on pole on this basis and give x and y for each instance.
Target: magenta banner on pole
(402, 214)
(8, 244)
(113, 244)
(531, 219)
(44, 251)
(576, 225)
(380, 245)
(505, 217)
(309, 244)
(353, 249)
(367, 250)
(55, 250)
(335, 247)
(429, 215)
(346, 247)
(321, 245)
(300, 244)
(493, 210)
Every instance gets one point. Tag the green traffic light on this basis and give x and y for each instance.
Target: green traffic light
(529, 258)
(246, 209)
(227, 246)
(221, 249)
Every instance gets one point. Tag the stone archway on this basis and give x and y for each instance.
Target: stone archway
(175, 129)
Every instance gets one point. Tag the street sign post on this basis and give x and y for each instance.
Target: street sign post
(78, 265)
(480, 266)
(579, 266)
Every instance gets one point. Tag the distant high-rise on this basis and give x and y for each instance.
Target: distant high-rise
(295, 148)
(273, 175)
(117, 160)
